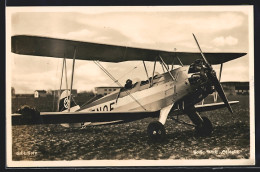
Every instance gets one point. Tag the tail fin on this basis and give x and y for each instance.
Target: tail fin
(64, 102)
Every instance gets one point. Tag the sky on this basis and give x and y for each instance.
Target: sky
(146, 27)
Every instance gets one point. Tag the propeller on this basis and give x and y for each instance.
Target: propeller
(213, 78)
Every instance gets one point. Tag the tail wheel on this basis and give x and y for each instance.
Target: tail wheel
(206, 128)
(156, 131)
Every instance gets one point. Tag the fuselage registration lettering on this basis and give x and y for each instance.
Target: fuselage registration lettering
(104, 108)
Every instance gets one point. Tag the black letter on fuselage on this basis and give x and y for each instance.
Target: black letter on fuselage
(105, 107)
(111, 108)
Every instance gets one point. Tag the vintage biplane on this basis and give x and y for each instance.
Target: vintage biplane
(176, 91)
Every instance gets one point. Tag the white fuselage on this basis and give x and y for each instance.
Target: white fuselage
(142, 96)
(163, 92)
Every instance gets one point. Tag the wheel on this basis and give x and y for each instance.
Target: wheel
(206, 128)
(29, 113)
(156, 131)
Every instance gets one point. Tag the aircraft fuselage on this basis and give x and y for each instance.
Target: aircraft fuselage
(143, 96)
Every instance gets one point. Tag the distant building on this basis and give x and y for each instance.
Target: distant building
(105, 90)
(56, 93)
(39, 93)
(236, 88)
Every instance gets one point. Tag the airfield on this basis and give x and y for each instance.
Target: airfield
(230, 139)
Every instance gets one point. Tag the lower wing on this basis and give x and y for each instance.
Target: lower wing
(97, 117)
(213, 106)
(206, 107)
(79, 117)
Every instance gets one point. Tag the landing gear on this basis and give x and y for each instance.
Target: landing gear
(28, 113)
(206, 128)
(203, 126)
(156, 131)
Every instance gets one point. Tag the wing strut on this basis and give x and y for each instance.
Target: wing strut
(167, 69)
(174, 58)
(72, 74)
(172, 63)
(66, 77)
(147, 74)
(220, 72)
(60, 83)
(153, 70)
(162, 67)
(64, 68)
(180, 61)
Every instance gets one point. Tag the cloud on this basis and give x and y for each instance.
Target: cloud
(212, 22)
(159, 30)
(223, 41)
(28, 82)
(80, 34)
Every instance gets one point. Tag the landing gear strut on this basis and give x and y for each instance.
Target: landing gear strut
(203, 126)
(205, 129)
(156, 131)
(28, 113)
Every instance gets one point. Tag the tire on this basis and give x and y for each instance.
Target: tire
(206, 128)
(29, 113)
(156, 131)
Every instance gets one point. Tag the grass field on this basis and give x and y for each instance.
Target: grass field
(230, 139)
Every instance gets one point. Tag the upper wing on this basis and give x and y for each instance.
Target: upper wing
(60, 48)
(78, 117)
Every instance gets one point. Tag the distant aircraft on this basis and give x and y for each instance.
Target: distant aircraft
(176, 91)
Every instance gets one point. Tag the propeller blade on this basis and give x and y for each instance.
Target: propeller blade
(220, 91)
(213, 78)
(204, 58)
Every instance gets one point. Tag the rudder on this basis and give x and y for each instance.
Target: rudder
(64, 102)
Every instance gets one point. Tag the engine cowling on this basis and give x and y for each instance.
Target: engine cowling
(199, 78)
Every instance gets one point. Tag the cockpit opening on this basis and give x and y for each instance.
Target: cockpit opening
(132, 83)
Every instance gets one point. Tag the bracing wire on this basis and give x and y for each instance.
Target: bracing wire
(116, 81)
(135, 67)
(113, 82)
(108, 74)
(127, 73)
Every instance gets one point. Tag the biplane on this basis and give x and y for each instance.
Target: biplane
(176, 91)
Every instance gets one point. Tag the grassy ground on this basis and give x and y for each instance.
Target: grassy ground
(229, 140)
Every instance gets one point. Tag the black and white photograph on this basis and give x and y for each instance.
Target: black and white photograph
(130, 86)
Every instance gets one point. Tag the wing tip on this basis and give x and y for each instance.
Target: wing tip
(243, 54)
